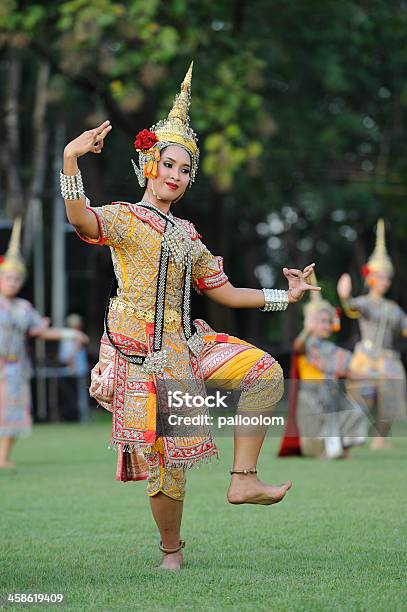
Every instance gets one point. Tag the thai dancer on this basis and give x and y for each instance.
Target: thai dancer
(376, 361)
(150, 345)
(323, 420)
(18, 321)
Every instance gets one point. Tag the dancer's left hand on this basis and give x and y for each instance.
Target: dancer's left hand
(297, 284)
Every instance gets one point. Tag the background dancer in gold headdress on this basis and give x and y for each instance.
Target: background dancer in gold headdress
(149, 343)
(375, 359)
(329, 422)
(18, 320)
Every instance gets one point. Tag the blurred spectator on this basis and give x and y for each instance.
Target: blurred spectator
(73, 354)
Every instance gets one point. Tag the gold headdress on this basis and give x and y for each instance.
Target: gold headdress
(316, 302)
(379, 260)
(175, 129)
(12, 260)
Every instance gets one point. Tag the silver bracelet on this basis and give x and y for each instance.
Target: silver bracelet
(275, 299)
(71, 186)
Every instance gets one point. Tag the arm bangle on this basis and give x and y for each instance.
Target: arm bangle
(275, 299)
(72, 186)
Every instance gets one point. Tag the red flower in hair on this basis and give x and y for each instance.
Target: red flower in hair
(1, 259)
(365, 271)
(145, 140)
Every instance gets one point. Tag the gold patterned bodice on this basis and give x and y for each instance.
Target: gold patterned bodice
(136, 265)
(135, 236)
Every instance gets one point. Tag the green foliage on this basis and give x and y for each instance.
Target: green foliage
(298, 106)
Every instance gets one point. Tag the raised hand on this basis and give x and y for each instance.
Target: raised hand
(297, 284)
(344, 287)
(90, 141)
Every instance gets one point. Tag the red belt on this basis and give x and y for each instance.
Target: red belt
(9, 359)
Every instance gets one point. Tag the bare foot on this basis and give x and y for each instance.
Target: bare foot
(345, 454)
(379, 442)
(7, 464)
(248, 489)
(173, 561)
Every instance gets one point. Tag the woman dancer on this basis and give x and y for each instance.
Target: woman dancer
(18, 321)
(375, 361)
(325, 421)
(150, 347)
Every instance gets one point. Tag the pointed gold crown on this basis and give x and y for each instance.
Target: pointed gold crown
(175, 129)
(316, 302)
(379, 261)
(13, 260)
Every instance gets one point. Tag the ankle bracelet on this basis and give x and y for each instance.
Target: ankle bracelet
(171, 551)
(245, 472)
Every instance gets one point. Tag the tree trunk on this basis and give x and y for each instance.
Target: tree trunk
(14, 188)
(39, 152)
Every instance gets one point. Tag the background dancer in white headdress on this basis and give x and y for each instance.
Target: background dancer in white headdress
(18, 321)
(376, 361)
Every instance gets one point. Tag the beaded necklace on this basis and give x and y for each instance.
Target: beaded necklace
(177, 244)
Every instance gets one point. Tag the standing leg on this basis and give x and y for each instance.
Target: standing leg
(166, 488)
(381, 441)
(365, 393)
(83, 398)
(390, 395)
(354, 426)
(6, 445)
(167, 514)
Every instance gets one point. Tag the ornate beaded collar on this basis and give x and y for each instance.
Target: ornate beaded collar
(176, 238)
(178, 244)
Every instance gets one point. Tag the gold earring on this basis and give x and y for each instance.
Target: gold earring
(153, 190)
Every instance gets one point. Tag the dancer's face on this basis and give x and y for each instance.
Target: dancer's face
(323, 324)
(174, 171)
(10, 283)
(379, 282)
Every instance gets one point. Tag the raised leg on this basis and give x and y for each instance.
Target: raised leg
(247, 488)
(260, 379)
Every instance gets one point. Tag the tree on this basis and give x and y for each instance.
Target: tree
(300, 110)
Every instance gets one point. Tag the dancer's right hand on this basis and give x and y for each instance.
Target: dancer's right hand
(90, 141)
(344, 287)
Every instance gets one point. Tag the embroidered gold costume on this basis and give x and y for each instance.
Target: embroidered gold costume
(134, 236)
(382, 384)
(151, 346)
(18, 318)
(322, 417)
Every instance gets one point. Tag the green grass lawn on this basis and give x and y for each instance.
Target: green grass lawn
(337, 542)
